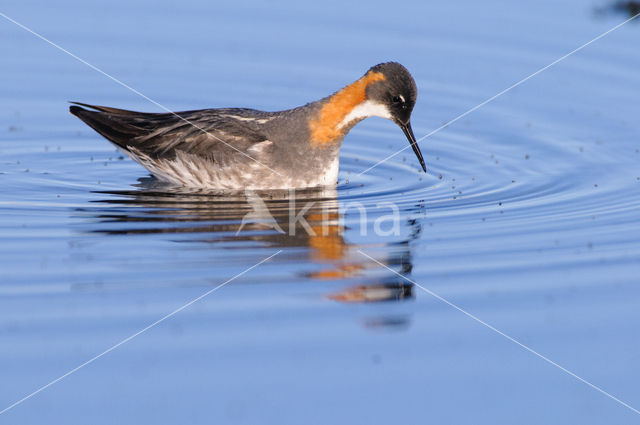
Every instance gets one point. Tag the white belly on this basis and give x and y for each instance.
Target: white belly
(197, 172)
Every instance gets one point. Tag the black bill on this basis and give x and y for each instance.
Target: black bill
(412, 140)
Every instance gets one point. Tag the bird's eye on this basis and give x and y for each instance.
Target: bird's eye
(396, 99)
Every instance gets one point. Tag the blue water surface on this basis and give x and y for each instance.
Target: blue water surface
(525, 227)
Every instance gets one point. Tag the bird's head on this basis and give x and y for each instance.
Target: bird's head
(386, 90)
(394, 95)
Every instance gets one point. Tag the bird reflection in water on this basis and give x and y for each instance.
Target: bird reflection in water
(308, 224)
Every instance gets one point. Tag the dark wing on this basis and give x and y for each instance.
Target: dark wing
(203, 132)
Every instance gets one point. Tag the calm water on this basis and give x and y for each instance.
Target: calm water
(528, 219)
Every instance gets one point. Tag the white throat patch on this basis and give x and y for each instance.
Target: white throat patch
(364, 110)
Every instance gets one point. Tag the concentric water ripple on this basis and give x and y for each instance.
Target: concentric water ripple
(484, 195)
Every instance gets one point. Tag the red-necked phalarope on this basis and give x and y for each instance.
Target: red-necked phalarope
(234, 148)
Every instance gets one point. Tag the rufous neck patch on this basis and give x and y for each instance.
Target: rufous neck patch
(324, 127)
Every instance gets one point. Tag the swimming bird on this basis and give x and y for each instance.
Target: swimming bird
(237, 148)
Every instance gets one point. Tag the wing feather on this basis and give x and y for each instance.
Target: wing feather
(207, 132)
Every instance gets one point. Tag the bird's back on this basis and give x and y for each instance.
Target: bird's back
(200, 132)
